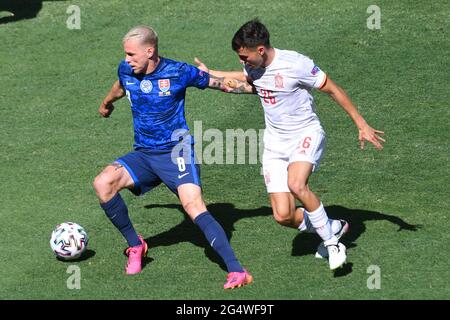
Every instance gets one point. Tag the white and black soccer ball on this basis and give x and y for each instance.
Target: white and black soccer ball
(69, 240)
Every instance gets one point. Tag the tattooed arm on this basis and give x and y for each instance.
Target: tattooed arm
(238, 86)
(230, 85)
(216, 82)
(227, 81)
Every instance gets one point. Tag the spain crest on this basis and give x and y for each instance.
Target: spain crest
(279, 81)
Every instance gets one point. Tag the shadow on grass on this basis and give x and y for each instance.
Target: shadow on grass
(225, 214)
(306, 243)
(346, 269)
(16, 10)
(303, 244)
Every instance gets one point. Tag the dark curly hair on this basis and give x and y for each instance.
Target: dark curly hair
(252, 34)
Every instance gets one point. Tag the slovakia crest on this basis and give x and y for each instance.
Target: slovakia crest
(164, 85)
(279, 81)
(146, 86)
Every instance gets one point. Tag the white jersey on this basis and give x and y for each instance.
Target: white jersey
(284, 89)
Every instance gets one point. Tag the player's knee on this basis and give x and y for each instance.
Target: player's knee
(193, 205)
(282, 216)
(103, 186)
(189, 204)
(283, 219)
(298, 188)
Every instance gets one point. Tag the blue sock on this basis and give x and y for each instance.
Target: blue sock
(218, 240)
(116, 210)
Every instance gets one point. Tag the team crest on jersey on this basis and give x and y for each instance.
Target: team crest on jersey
(164, 86)
(279, 81)
(315, 70)
(146, 86)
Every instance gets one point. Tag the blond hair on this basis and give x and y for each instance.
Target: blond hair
(146, 35)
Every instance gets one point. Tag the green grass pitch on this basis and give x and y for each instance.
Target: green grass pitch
(53, 143)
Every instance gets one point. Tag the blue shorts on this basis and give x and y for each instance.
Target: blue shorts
(149, 168)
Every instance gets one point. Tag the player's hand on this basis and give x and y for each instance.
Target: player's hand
(105, 110)
(229, 84)
(367, 133)
(201, 65)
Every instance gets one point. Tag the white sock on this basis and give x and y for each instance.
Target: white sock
(306, 225)
(320, 222)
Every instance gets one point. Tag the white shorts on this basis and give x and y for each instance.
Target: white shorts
(308, 146)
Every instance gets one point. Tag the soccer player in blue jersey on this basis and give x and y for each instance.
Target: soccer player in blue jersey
(163, 151)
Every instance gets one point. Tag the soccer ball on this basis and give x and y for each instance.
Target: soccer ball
(69, 240)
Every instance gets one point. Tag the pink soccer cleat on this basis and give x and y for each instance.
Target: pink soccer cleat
(238, 279)
(135, 255)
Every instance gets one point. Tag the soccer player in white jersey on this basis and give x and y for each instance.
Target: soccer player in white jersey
(293, 139)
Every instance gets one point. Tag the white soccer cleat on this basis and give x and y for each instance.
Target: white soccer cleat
(322, 252)
(336, 255)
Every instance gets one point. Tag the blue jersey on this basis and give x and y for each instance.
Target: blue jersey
(157, 101)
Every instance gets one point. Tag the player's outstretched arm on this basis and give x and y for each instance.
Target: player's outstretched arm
(107, 107)
(239, 75)
(366, 132)
(237, 86)
(227, 81)
(230, 85)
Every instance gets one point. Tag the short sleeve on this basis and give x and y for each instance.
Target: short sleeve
(245, 71)
(195, 77)
(252, 74)
(309, 74)
(123, 70)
